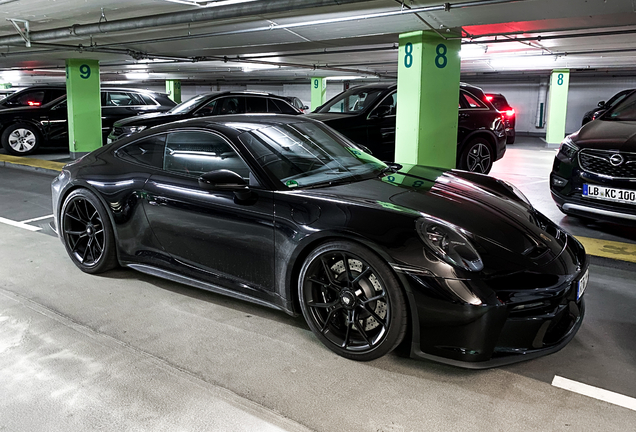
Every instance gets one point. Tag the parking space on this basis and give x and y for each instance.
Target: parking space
(229, 350)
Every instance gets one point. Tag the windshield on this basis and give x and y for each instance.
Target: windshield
(624, 111)
(352, 101)
(189, 105)
(308, 154)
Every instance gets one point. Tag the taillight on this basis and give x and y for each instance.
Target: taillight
(489, 98)
(31, 103)
(510, 113)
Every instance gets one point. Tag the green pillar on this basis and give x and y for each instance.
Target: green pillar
(84, 106)
(5, 86)
(173, 88)
(557, 105)
(427, 99)
(318, 92)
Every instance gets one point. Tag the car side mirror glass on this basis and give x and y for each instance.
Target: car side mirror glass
(601, 104)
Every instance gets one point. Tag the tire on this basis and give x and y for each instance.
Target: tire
(352, 301)
(21, 139)
(477, 156)
(87, 233)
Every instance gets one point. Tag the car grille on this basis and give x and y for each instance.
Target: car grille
(598, 162)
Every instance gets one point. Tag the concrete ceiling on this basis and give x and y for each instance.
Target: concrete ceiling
(340, 39)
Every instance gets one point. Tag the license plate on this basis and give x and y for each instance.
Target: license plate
(609, 194)
(582, 284)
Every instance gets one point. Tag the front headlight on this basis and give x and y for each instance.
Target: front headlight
(568, 149)
(133, 129)
(448, 243)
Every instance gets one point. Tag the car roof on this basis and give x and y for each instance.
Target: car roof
(238, 122)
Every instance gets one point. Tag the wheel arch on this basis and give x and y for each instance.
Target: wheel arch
(73, 187)
(482, 133)
(310, 244)
(19, 120)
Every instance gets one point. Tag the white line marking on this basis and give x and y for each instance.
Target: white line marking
(37, 219)
(595, 392)
(19, 224)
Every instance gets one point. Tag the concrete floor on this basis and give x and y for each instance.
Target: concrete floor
(126, 351)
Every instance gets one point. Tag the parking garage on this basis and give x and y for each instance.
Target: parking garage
(159, 349)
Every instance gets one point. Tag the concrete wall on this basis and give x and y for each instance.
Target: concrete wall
(584, 94)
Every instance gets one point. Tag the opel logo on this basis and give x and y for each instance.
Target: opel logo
(616, 159)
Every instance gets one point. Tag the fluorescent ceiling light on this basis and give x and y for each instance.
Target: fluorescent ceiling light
(11, 75)
(207, 3)
(473, 51)
(249, 67)
(137, 75)
(344, 78)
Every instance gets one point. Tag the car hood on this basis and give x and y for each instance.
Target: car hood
(607, 135)
(330, 117)
(485, 207)
(151, 119)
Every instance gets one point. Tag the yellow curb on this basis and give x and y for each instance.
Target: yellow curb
(609, 249)
(35, 163)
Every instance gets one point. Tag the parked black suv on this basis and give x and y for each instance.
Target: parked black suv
(366, 114)
(594, 172)
(209, 104)
(25, 128)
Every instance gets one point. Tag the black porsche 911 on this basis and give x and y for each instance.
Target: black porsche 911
(283, 211)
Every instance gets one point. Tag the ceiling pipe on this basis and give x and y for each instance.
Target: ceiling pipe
(540, 38)
(231, 11)
(170, 19)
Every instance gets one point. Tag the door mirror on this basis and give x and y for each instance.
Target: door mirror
(222, 180)
(225, 180)
(601, 104)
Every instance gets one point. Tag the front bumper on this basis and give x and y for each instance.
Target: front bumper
(593, 209)
(496, 332)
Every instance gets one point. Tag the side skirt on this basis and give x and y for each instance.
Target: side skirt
(175, 277)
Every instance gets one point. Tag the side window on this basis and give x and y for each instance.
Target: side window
(54, 94)
(137, 99)
(255, 105)
(195, 153)
(388, 106)
(147, 100)
(278, 106)
(231, 105)
(32, 98)
(208, 109)
(470, 101)
(114, 98)
(148, 151)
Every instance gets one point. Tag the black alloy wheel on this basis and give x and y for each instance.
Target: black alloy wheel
(476, 157)
(87, 232)
(21, 139)
(352, 301)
